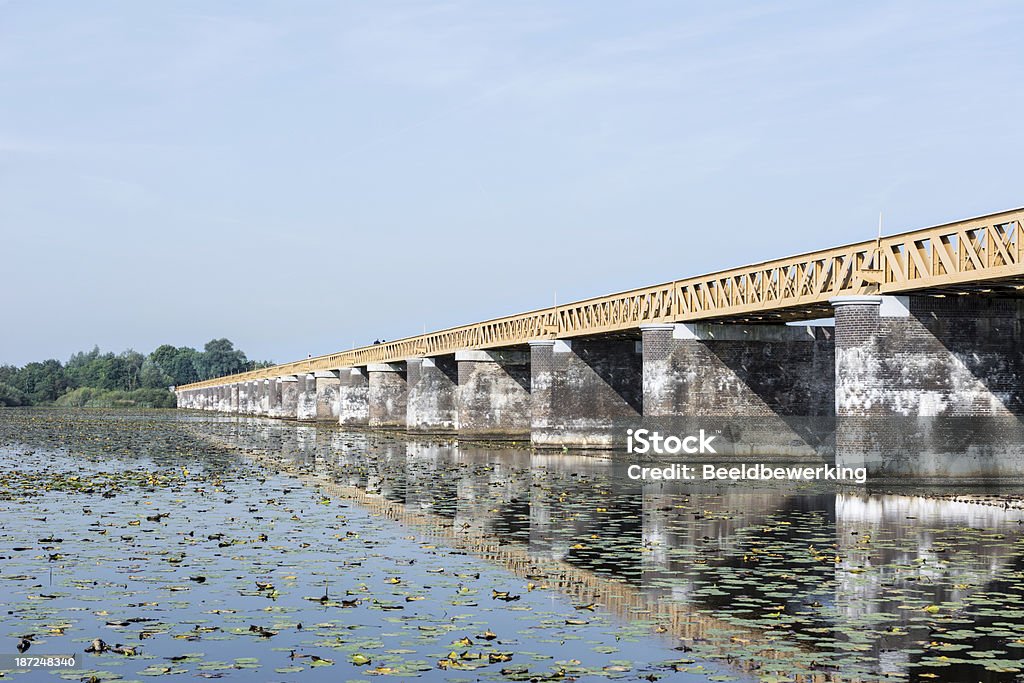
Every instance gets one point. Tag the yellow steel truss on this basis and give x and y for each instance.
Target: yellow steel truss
(976, 253)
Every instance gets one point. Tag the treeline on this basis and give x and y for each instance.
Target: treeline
(93, 378)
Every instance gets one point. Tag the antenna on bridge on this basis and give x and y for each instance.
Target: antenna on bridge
(878, 244)
(871, 270)
(552, 327)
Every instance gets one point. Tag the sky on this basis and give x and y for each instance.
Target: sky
(303, 176)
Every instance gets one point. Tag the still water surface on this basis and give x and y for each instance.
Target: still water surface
(251, 549)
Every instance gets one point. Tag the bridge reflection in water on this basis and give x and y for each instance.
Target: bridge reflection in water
(811, 582)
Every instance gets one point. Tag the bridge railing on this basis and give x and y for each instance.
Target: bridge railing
(970, 252)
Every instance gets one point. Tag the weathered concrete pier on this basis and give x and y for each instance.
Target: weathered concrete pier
(920, 375)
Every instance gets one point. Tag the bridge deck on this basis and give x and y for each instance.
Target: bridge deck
(978, 254)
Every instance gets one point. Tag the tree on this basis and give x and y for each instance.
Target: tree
(11, 396)
(219, 358)
(8, 374)
(98, 378)
(152, 377)
(42, 382)
(102, 370)
(83, 369)
(131, 365)
(180, 364)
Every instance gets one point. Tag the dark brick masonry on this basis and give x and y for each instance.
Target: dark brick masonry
(327, 398)
(432, 387)
(933, 392)
(765, 390)
(387, 395)
(290, 388)
(493, 397)
(584, 391)
(353, 397)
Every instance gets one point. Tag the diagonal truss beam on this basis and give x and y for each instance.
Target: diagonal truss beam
(974, 251)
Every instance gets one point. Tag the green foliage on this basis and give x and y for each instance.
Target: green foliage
(88, 397)
(42, 382)
(219, 358)
(152, 377)
(179, 364)
(97, 379)
(80, 397)
(106, 370)
(10, 396)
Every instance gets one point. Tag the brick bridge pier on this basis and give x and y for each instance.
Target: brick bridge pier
(921, 375)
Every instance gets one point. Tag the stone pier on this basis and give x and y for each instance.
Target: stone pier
(327, 390)
(263, 395)
(353, 397)
(930, 386)
(584, 391)
(493, 397)
(910, 387)
(432, 386)
(257, 390)
(764, 390)
(290, 389)
(305, 408)
(257, 397)
(244, 394)
(387, 394)
(275, 396)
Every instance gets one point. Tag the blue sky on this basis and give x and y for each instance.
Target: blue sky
(302, 176)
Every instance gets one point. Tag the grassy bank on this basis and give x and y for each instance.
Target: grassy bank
(87, 397)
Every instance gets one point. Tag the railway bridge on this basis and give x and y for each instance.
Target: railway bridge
(920, 375)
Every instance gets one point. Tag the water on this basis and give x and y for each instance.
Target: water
(554, 566)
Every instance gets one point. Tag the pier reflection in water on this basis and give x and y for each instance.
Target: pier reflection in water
(825, 583)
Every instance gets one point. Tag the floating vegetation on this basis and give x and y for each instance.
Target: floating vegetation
(158, 544)
(146, 550)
